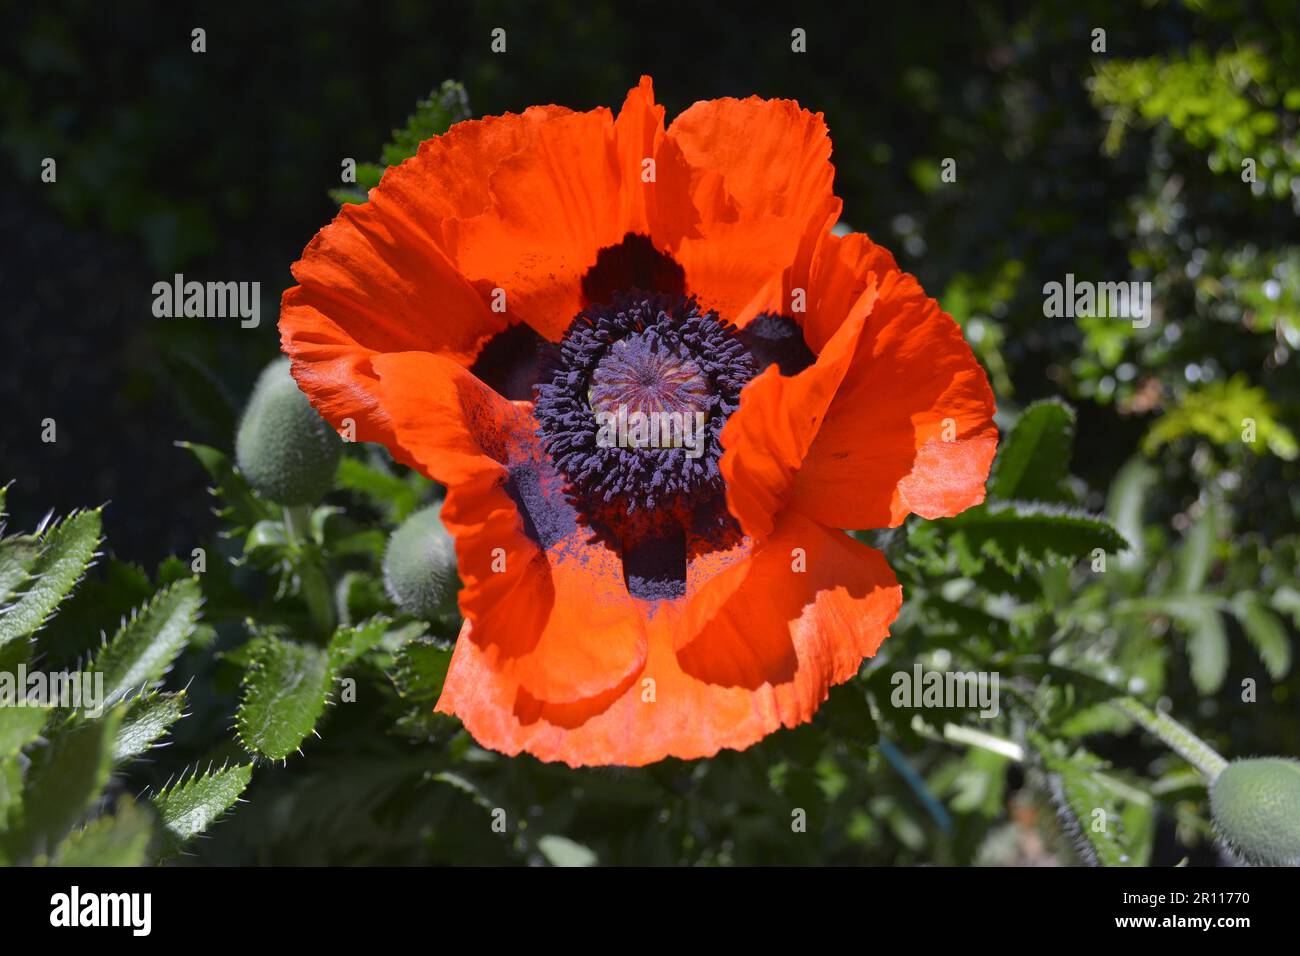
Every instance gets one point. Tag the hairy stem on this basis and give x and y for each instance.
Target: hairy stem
(1175, 736)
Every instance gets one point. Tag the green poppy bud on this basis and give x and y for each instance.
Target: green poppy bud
(1256, 804)
(288, 453)
(420, 566)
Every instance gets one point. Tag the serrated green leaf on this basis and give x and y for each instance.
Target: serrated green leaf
(66, 552)
(17, 555)
(1033, 461)
(118, 840)
(65, 780)
(1014, 533)
(102, 599)
(1265, 630)
(191, 805)
(243, 508)
(421, 670)
(285, 689)
(19, 726)
(349, 643)
(1111, 821)
(145, 723)
(146, 646)
(444, 107)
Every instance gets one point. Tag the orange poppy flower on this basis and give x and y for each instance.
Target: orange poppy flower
(526, 283)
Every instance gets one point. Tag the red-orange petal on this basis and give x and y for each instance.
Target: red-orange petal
(767, 659)
(767, 438)
(759, 181)
(638, 133)
(555, 206)
(553, 613)
(911, 429)
(383, 277)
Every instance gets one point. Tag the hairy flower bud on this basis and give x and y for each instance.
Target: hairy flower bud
(420, 566)
(1256, 805)
(284, 448)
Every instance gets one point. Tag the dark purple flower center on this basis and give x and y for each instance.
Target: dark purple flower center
(631, 404)
(632, 413)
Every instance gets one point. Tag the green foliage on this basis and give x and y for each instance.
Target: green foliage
(1222, 412)
(240, 507)
(445, 106)
(395, 495)
(19, 726)
(1014, 534)
(57, 756)
(119, 839)
(977, 304)
(146, 646)
(286, 687)
(193, 803)
(147, 722)
(1222, 103)
(48, 574)
(61, 786)
(1266, 631)
(421, 670)
(1111, 821)
(1035, 459)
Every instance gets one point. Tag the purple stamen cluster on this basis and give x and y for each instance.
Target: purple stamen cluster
(655, 353)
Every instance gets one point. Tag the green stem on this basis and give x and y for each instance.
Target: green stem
(314, 583)
(297, 523)
(1175, 736)
(316, 592)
